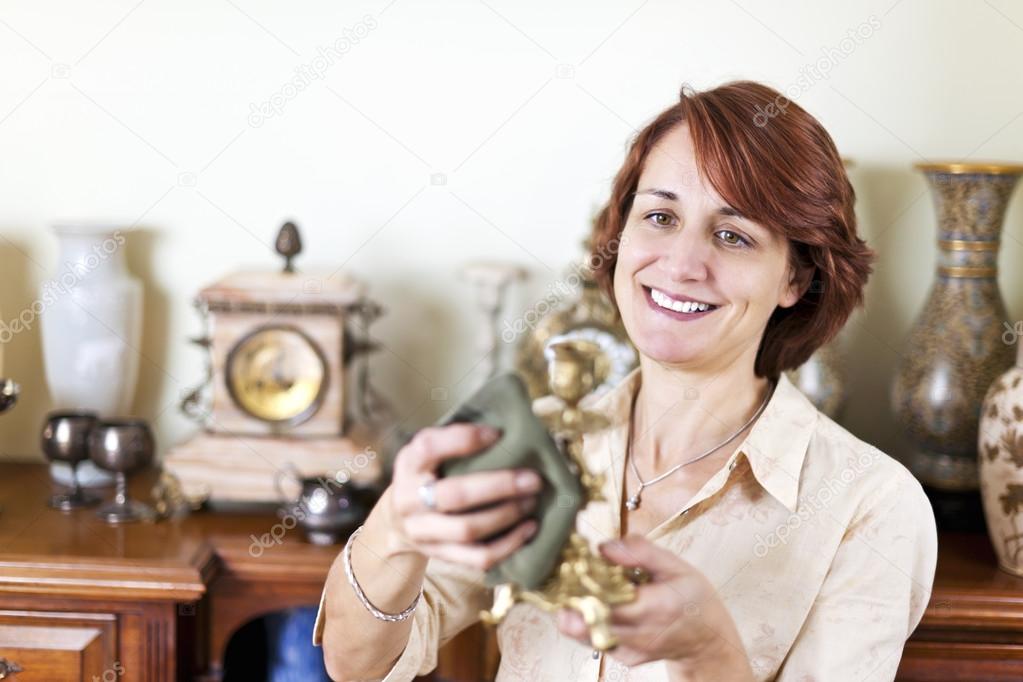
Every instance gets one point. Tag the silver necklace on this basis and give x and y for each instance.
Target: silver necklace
(632, 504)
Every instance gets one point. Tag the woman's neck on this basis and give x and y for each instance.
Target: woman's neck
(680, 413)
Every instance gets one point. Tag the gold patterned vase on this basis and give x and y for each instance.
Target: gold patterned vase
(955, 348)
(1001, 465)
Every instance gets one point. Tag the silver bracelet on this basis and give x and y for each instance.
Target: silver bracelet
(377, 613)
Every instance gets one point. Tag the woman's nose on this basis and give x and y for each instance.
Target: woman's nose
(684, 258)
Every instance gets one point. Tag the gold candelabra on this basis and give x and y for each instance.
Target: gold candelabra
(584, 581)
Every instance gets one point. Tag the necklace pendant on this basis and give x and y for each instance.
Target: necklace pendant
(632, 504)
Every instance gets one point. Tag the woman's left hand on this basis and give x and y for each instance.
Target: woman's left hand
(677, 616)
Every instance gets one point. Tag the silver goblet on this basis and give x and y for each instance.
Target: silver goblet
(122, 446)
(65, 438)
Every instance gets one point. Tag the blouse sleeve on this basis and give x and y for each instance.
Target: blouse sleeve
(874, 594)
(453, 596)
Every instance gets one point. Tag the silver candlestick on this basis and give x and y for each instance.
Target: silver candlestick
(490, 282)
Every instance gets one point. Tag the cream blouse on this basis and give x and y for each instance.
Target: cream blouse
(822, 547)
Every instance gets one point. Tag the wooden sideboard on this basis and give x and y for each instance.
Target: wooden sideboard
(165, 598)
(973, 627)
(159, 602)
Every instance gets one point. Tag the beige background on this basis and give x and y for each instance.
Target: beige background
(139, 113)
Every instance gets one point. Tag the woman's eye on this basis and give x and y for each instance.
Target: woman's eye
(660, 219)
(733, 238)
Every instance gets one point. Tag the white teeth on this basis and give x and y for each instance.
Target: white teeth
(665, 301)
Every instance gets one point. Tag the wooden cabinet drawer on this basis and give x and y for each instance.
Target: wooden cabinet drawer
(106, 623)
(50, 653)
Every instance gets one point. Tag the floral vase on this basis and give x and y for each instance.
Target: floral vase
(955, 348)
(1001, 465)
(91, 317)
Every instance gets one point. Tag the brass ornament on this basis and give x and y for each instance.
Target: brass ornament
(171, 500)
(583, 312)
(584, 581)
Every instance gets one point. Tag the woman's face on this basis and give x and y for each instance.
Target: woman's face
(695, 281)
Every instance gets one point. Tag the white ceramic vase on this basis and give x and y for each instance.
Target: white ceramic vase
(91, 325)
(1000, 454)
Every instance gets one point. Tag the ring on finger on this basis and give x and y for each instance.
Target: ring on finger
(428, 494)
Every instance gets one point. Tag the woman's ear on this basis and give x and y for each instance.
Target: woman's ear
(800, 281)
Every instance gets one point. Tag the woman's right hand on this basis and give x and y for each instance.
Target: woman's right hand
(469, 508)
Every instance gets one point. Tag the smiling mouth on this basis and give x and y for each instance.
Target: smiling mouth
(669, 303)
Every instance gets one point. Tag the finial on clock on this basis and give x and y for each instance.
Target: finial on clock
(288, 244)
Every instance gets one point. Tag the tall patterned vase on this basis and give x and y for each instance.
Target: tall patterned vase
(955, 348)
(1001, 465)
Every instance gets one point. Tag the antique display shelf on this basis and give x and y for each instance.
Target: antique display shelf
(162, 600)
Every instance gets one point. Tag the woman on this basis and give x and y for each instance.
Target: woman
(780, 546)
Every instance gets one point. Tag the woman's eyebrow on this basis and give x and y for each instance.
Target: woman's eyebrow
(731, 212)
(727, 211)
(662, 193)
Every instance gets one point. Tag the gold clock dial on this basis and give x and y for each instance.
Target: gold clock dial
(277, 374)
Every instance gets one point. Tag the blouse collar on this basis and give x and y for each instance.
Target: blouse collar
(775, 447)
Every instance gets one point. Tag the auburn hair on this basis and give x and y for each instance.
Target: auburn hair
(773, 162)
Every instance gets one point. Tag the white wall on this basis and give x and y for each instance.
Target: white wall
(140, 113)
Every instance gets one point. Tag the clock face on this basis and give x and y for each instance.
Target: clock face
(277, 374)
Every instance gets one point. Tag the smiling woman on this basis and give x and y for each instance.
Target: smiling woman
(780, 546)
(774, 186)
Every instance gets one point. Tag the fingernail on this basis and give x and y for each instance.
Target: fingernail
(527, 504)
(490, 433)
(531, 527)
(528, 481)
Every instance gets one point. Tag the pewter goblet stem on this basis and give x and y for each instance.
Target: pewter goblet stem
(121, 496)
(76, 487)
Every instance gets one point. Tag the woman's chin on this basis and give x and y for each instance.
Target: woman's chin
(671, 352)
